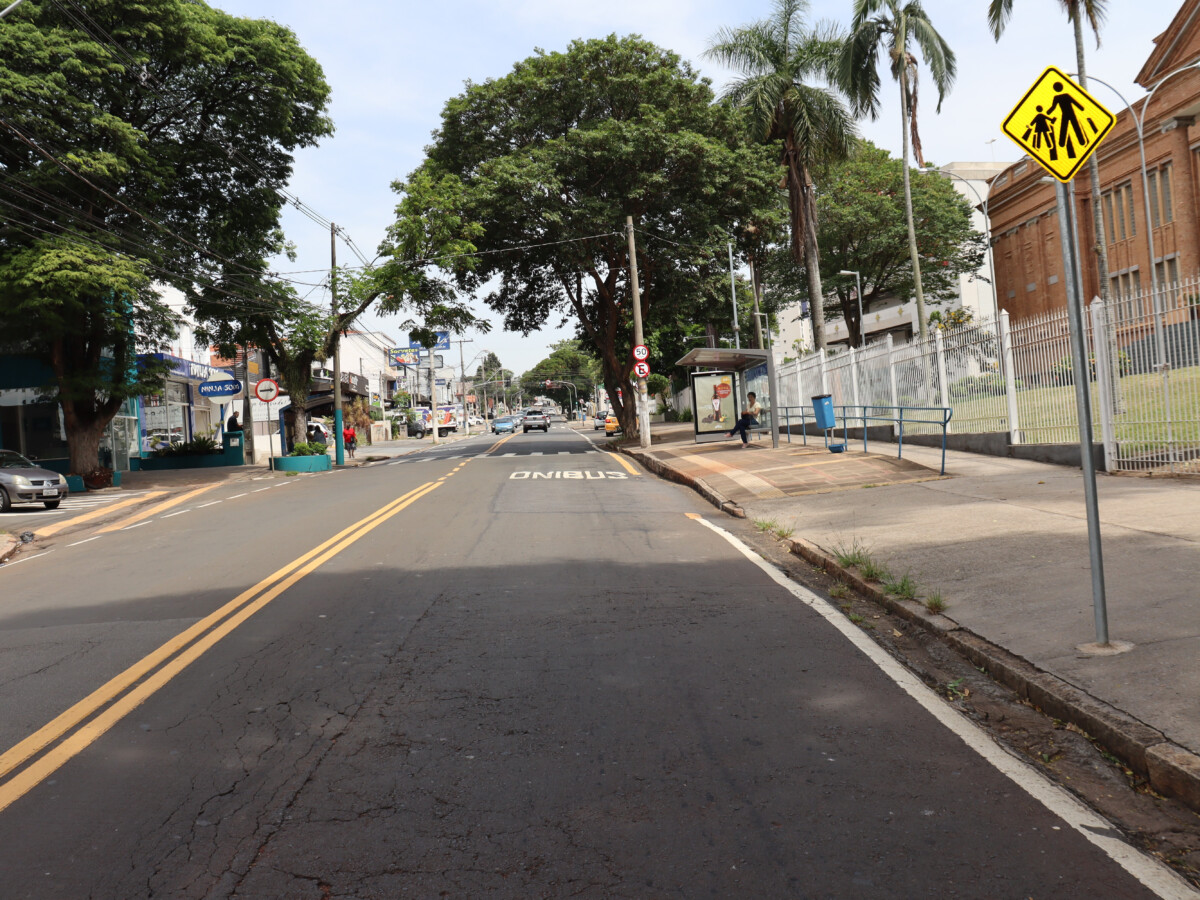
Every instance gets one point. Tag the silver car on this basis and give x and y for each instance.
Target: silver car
(23, 482)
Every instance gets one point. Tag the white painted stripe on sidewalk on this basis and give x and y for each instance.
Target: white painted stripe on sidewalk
(1099, 831)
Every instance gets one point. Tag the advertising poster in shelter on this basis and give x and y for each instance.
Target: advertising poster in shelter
(715, 403)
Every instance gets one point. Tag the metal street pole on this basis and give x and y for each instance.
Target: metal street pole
(1079, 369)
(338, 442)
(732, 293)
(643, 405)
(432, 406)
(462, 368)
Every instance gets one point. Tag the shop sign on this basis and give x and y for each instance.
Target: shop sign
(225, 387)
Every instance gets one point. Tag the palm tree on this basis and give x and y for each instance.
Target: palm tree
(779, 58)
(999, 12)
(894, 26)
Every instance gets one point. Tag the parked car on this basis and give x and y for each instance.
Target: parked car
(21, 481)
(611, 424)
(535, 418)
(318, 433)
(504, 425)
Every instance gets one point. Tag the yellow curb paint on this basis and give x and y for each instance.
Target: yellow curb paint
(97, 513)
(189, 645)
(624, 463)
(693, 515)
(155, 510)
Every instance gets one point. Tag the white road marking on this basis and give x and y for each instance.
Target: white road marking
(9, 565)
(138, 525)
(538, 453)
(235, 496)
(172, 515)
(509, 454)
(260, 490)
(1154, 875)
(94, 537)
(203, 505)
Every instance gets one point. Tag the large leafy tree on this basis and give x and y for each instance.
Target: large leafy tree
(141, 142)
(893, 29)
(558, 152)
(863, 227)
(999, 13)
(784, 89)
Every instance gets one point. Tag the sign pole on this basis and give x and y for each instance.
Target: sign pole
(1079, 371)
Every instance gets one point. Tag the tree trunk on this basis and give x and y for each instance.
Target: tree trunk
(804, 237)
(83, 446)
(918, 293)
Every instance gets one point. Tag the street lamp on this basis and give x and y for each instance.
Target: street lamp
(987, 227)
(858, 294)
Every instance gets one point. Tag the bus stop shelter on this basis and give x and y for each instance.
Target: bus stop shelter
(720, 380)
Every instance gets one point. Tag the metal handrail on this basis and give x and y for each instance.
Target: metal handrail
(895, 415)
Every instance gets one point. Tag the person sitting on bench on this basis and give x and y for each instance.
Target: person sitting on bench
(748, 420)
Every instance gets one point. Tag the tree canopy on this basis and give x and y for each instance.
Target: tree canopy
(554, 156)
(864, 229)
(145, 139)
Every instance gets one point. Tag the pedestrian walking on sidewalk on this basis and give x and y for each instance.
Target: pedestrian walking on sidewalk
(350, 438)
(748, 420)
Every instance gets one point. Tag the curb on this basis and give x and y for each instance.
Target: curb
(1170, 769)
(699, 485)
(9, 545)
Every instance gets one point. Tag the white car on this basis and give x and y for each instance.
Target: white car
(475, 420)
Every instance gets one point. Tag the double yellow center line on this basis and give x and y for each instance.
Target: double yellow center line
(38, 756)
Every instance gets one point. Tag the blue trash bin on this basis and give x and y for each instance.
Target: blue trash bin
(823, 410)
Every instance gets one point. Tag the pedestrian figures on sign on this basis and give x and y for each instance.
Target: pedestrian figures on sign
(1042, 128)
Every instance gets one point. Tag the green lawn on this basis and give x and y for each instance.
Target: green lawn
(1140, 426)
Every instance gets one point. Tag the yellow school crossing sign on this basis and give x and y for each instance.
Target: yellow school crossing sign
(1058, 123)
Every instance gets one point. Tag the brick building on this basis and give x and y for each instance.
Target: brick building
(1022, 212)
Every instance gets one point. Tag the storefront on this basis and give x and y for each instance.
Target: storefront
(179, 414)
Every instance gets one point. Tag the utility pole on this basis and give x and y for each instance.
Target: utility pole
(432, 405)
(248, 411)
(339, 443)
(462, 368)
(643, 405)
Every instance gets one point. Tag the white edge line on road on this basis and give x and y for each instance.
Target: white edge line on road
(138, 525)
(85, 540)
(9, 565)
(213, 503)
(235, 496)
(260, 490)
(1154, 875)
(180, 513)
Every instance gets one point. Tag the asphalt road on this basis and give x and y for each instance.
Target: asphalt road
(518, 670)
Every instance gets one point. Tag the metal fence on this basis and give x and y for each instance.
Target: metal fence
(1015, 378)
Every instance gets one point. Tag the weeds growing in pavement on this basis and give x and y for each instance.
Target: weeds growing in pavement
(935, 603)
(873, 571)
(838, 591)
(854, 554)
(766, 524)
(903, 587)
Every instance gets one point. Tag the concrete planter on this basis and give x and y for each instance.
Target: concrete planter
(75, 484)
(319, 463)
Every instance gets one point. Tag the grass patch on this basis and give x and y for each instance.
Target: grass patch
(855, 618)
(852, 555)
(873, 571)
(935, 603)
(838, 591)
(903, 587)
(765, 525)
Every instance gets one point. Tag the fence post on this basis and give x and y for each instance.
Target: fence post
(1104, 376)
(1010, 379)
(940, 347)
(824, 373)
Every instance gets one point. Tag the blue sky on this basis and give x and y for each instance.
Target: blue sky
(392, 66)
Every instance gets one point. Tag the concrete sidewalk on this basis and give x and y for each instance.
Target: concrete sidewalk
(1005, 543)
